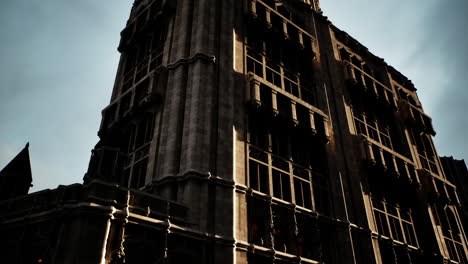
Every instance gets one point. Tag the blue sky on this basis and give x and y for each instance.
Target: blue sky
(59, 61)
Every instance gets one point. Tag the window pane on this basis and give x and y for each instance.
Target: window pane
(302, 193)
(258, 176)
(409, 234)
(286, 185)
(461, 253)
(382, 224)
(320, 189)
(396, 229)
(281, 186)
(377, 204)
(298, 192)
(258, 227)
(258, 155)
(392, 210)
(139, 174)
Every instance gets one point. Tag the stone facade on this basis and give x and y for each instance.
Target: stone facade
(280, 138)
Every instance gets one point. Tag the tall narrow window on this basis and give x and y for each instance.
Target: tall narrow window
(308, 238)
(139, 138)
(258, 172)
(453, 238)
(281, 185)
(283, 230)
(139, 174)
(273, 225)
(258, 221)
(394, 222)
(144, 56)
(287, 164)
(426, 153)
(302, 187)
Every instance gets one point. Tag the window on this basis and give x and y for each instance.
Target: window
(394, 222)
(139, 138)
(287, 164)
(302, 187)
(378, 131)
(284, 229)
(371, 79)
(143, 57)
(281, 185)
(426, 153)
(277, 11)
(259, 225)
(454, 242)
(141, 133)
(397, 254)
(139, 174)
(308, 239)
(280, 64)
(344, 54)
(407, 97)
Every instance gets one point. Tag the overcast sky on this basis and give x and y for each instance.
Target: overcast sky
(59, 58)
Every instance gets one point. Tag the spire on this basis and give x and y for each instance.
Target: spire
(16, 177)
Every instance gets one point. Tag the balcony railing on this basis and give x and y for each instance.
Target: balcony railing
(432, 184)
(428, 162)
(358, 78)
(372, 129)
(280, 23)
(99, 193)
(389, 160)
(416, 117)
(265, 94)
(278, 75)
(438, 188)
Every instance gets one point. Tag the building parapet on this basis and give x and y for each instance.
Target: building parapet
(95, 194)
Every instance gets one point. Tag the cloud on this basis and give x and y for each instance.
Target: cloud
(445, 50)
(426, 40)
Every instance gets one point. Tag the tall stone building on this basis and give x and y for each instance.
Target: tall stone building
(248, 131)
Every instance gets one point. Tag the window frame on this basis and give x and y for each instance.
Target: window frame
(390, 217)
(365, 125)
